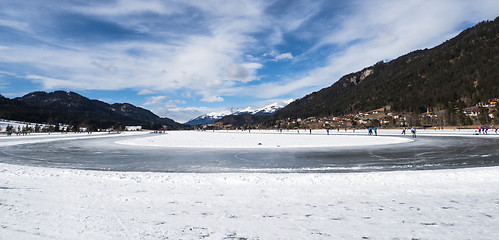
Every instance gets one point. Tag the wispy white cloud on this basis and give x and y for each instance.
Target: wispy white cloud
(155, 100)
(284, 56)
(17, 25)
(211, 99)
(145, 92)
(127, 7)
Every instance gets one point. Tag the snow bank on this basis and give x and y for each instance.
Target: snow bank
(41, 203)
(45, 137)
(259, 139)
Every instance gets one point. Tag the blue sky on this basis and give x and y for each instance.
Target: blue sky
(182, 58)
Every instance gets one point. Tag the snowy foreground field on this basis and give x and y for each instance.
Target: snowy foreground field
(49, 203)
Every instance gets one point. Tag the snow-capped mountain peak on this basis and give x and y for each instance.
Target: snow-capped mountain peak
(214, 116)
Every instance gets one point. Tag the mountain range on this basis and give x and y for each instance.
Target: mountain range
(216, 116)
(74, 109)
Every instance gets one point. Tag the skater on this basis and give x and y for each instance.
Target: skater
(310, 130)
(375, 132)
(403, 131)
(413, 131)
(327, 130)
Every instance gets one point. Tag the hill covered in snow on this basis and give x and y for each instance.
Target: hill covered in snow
(215, 116)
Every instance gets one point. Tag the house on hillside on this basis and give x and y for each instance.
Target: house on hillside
(133, 128)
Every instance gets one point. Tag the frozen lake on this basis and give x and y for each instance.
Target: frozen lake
(195, 185)
(424, 153)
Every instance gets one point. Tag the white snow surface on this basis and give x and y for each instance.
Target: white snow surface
(4, 123)
(34, 138)
(260, 139)
(43, 203)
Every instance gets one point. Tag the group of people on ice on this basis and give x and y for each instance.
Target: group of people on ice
(413, 131)
(484, 130)
(372, 131)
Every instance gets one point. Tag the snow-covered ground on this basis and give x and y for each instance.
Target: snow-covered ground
(260, 139)
(49, 203)
(17, 124)
(34, 138)
(41, 203)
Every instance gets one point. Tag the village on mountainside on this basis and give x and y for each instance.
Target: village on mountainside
(483, 113)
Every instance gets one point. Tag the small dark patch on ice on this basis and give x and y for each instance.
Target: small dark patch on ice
(308, 215)
(337, 219)
(448, 208)
(268, 216)
(454, 201)
(487, 215)
(448, 224)
(367, 218)
(233, 216)
(320, 234)
(207, 235)
(429, 224)
(5, 188)
(234, 236)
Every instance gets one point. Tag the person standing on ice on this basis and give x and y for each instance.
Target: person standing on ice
(327, 130)
(403, 131)
(413, 130)
(375, 132)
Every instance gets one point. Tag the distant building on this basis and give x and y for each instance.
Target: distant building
(133, 128)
